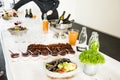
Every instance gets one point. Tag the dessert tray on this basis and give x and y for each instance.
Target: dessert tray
(60, 49)
(46, 52)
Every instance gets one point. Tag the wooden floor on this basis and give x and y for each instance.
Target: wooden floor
(109, 45)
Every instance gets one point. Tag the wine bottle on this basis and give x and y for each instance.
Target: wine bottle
(45, 23)
(30, 13)
(61, 17)
(26, 14)
(66, 20)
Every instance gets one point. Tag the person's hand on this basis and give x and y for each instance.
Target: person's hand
(49, 12)
(13, 12)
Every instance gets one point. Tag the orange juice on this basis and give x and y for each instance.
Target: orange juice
(45, 26)
(73, 35)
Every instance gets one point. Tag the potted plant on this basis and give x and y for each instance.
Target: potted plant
(91, 58)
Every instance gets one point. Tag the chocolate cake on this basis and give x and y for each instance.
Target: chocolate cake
(51, 49)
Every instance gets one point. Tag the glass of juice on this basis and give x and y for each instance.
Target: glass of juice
(72, 36)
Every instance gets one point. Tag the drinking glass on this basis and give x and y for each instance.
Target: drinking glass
(14, 55)
(24, 54)
(72, 36)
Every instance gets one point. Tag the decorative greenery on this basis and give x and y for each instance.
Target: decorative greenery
(91, 56)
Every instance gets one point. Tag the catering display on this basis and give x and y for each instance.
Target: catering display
(43, 57)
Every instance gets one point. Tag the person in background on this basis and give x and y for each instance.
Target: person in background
(46, 6)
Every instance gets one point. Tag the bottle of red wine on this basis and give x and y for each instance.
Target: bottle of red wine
(30, 13)
(26, 14)
(66, 20)
(61, 17)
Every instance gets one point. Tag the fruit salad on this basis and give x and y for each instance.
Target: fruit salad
(62, 65)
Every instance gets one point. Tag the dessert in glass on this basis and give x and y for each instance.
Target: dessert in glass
(14, 55)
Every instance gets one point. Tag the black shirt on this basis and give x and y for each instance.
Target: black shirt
(44, 5)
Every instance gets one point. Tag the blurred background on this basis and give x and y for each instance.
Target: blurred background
(102, 15)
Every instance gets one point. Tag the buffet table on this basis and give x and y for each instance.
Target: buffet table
(33, 68)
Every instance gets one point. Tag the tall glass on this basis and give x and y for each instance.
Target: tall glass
(72, 36)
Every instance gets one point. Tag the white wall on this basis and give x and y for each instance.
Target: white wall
(102, 15)
(68, 6)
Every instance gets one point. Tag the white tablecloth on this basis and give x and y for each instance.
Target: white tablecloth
(32, 68)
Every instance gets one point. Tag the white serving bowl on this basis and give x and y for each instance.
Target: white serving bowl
(61, 75)
(19, 35)
(17, 32)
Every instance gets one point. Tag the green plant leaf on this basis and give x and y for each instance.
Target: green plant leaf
(91, 56)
